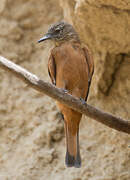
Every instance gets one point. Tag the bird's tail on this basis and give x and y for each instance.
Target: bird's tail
(72, 141)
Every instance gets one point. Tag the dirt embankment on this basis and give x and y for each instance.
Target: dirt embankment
(32, 143)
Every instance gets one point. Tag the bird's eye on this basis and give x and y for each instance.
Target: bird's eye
(57, 30)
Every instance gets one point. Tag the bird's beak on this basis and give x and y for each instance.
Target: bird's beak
(47, 36)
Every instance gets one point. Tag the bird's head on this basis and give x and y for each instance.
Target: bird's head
(60, 32)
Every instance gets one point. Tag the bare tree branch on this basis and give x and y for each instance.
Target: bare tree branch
(65, 98)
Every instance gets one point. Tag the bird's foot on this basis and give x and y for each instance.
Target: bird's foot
(65, 90)
(82, 100)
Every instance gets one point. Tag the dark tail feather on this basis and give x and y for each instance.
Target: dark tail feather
(72, 154)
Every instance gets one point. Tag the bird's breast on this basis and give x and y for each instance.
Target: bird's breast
(71, 68)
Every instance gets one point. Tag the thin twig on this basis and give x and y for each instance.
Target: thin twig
(65, 98)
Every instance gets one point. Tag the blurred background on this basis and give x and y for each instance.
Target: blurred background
(32, 143)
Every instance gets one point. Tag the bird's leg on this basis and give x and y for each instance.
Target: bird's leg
(64, 90)
(64, 87)
(54, 82)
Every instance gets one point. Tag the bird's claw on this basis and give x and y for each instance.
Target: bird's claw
(65, 90)
(82, 100)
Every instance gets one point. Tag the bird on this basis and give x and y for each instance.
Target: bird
(70, 67)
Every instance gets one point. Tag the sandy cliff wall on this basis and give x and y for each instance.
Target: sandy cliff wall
(32, 143)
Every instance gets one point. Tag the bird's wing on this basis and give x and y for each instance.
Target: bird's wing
(52, 69)
(90, 62)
